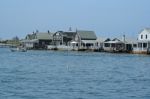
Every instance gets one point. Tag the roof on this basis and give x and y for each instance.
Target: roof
(30, 36)
(108, 39)
(69, 34)
(128, 40)
(145, 29)
(40, 36)
(44, 36)
(87, 35)
(115, 40)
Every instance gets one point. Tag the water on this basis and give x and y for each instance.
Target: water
(73, 75)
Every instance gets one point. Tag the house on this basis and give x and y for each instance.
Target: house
(38, 40)
(63, 38)
(29, 41)
(143, 43)
(114, 45)
(84, 40)
(123, 44)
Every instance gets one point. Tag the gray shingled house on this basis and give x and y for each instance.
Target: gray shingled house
(85, 39)
(63, 38)
(38, 40)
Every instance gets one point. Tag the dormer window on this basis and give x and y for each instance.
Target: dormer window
(146, 36)
(141, 36)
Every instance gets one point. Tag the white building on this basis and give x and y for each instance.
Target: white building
(144, 35)
(143, 42)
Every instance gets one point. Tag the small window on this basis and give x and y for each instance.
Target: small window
(146, 36)
(141, 36)
(134, 45)
(107, 45)
(144, 45)
(140, 45)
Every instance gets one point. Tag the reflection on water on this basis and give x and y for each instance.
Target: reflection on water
(73, 75)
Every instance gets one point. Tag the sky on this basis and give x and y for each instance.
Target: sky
(108, 18)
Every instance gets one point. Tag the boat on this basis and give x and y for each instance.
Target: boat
(18, 49)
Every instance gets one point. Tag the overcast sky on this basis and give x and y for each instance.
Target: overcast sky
(106, 17)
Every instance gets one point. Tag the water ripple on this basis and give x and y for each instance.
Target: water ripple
(73, 75)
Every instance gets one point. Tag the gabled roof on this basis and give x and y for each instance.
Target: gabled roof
(68, 34)
(115, 40)
(87, 35)
(148, 30)
(40, 36)
(108, 39)
(30, 36)
(44, 36)
(145, 29)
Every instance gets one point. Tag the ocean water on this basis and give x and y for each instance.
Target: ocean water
(73, 75)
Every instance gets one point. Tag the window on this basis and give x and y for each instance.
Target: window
(146, 36)
(107, 45)
(144, 45)
(113, 45)
(141, 36)
(134, 45)
(140, 45)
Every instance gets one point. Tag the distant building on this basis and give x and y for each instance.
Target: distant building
(123, 44)
(38, 40)
(143, 42)
(63, 38)
(114, 45)
(85, 39)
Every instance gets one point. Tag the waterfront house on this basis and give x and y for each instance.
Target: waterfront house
(63, 38)
(114, 45)
(38, 40)
(85, 40)
(123, 44)
(143, 43)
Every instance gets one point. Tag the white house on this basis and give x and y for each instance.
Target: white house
(143, 42)
(144, 35)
